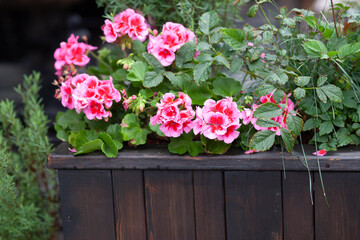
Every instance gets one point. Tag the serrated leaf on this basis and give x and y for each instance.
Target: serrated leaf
(294, 124)
(263, 122)
(109, 147)
(137, 72)
(299, 93)
(202, 71)
(234, 37)
(311, 124)
(281, 78)
(252, 10)
(236, 64)
(321, 95)
(152, 79)
(325, 128)
(302, 81)
(172, 78)
(215, 37)
(315, 49)
(208, 21)
(185, 53)
(333, 92)
(278, 95)
(343, 140)
(321, 80)
(289, 22)
(152, 61)
(264, 90)
(222, 60)
(267, 110)
(226, 87)
(203, 46)
(262, 140)
(287, 138)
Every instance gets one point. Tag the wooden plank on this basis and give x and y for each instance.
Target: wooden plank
(159, 157)
(253, 205)
(87, 204)
(297, 207)
(209, 205)
(341, 219)
(169, 205)
(129, 204)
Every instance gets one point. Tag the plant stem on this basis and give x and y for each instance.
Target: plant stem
(102, 61)
(333, 12)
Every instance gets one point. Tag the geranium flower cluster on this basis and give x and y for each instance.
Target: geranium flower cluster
(89, 94)
(174, 115)
(218, 120)
(70, 53)
(247, 114)
(127, 22)
(172, 37)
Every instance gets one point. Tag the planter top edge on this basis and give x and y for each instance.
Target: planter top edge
(158, 157)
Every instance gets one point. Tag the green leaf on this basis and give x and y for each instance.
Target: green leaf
(204, 57)
(184, 144)
(315, 49)
(267, 110)
(172, 78)
(138, 47)
(61, 133)
(203, 46)
(152, 79)
(236, 64)
(226, 87)
(343, 140)
(109, 147)
(114, 130)
(281, 78)
(215, 38)
(311, 21)
(70, 120)
(294, 124)
(220, 59)
(321, 80)
(198, 93)
(90, 146)
(325, 128)
(311, 124)
(264, 90)
(208, 21)
(119, 75)
(262, 140)
(267, 123)
(321, 95)
(131, 130)
(153, 62)
(185, 53)
(302, 81)
(288, 139)
(299, 93)
(234, 37)
(253, 10)
(156, 129)
(83, 137)
(137, 72)
(202, 72)
(333, 92)
(214, 146)
(278, 95)
(289, 22)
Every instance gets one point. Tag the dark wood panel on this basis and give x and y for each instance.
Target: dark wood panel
(87, 204)
(129, 204)
(158, 157)
(209, 205)
(341, 219)
(253, 205)
(297, 207)
(169, 205)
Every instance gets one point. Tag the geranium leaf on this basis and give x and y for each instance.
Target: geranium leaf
(267, 110)
(109, 147)
(184, 144)
(137, 72)
(90, 146)
(226, 87)
(132, 131)
(262, 140)
(114, 131)
(214, 146)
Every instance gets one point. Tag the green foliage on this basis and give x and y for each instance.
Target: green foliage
(28, 190)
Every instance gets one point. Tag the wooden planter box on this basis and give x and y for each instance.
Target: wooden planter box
(149, 193)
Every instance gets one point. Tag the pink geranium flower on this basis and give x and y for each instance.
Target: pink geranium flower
(218, 120)
(321, 152)
(174, 115)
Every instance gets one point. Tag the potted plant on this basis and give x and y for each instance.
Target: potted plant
(190, 105)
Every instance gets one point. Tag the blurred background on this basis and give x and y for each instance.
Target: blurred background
(31, 31)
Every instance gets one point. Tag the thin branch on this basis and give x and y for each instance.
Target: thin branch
(333, 11)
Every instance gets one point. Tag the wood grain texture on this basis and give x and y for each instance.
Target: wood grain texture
(209, 205)
(86, 204)
(253, 205)
(129, 204)
(159, 157)
(297, 207)
(169, 205)
(340, 220)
